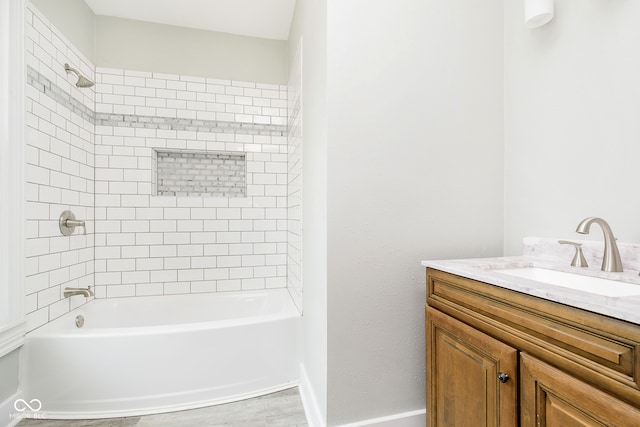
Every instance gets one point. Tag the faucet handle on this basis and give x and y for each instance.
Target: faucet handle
(68, 223)
(578, 259)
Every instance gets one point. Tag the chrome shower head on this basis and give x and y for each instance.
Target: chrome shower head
(82, 80)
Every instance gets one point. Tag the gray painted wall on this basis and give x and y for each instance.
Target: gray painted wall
(136, 45)
(571, 115)
(74, 19)
(408, 119)
(415, 148)
(310, 23)
(9, 368)
(144, 46)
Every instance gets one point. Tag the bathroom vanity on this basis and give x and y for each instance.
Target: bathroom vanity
(509, 352)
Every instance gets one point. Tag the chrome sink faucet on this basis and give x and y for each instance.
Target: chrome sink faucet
(611, 259)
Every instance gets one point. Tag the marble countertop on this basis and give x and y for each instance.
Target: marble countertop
(487, 270)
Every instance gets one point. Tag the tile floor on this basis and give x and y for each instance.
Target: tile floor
(281, 409)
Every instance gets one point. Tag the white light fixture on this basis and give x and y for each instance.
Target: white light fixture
(537, 12)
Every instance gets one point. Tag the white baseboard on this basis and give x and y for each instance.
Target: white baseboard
(7, 410)
(406, 419)
(312, 410)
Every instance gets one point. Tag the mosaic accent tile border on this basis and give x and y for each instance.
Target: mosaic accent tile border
(170, 123)
(59, 95)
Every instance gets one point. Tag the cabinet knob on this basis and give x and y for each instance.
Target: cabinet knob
(503, 377)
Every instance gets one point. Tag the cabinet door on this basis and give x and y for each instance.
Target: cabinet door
(463, 365)
(552, 398)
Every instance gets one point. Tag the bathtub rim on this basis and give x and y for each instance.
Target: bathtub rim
(155, 329)
(51, 330)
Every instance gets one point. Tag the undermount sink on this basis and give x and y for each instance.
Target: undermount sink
(594, 285)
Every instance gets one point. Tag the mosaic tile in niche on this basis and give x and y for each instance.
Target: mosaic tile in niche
(199, 174)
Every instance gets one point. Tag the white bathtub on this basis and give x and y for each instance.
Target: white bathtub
(146, 355)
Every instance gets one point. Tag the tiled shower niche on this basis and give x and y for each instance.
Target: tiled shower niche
(195, 174)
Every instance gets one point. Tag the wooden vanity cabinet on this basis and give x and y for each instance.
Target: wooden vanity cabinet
(553, 398)
(497, 357)
(462, 365)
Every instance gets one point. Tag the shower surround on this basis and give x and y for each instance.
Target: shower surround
(94, 151)
(59, 172)
(153, 245)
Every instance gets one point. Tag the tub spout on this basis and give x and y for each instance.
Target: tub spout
(86, 292)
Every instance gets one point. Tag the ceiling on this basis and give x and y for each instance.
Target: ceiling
(269, 19)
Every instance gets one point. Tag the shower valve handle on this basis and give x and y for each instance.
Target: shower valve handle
(68, 223)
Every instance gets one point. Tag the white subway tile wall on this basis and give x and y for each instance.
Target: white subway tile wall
(148, 244)
(59, 171)
(294, 174)
(95, 150)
